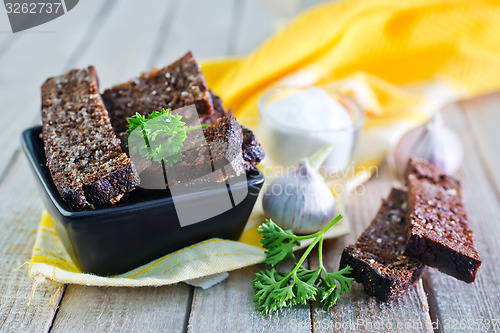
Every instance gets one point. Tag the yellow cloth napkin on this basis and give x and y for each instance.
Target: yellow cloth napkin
(399, 42)
(400, 59)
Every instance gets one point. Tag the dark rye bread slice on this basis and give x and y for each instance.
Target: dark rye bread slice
(177, 85)
(252, 151)
(439, 235)
(219, 111)
(218, 145)
(83, 154)
(377, 258)
(171, 88)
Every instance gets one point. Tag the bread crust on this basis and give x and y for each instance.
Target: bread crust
(439, 235)
(252, 153)
(377, 258)
(177, 85)
(148, 93)
(83, 154)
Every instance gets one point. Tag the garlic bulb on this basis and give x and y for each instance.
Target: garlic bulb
(433, 142)
(299, 200)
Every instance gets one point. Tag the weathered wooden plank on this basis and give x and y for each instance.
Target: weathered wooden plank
(122, 49)
(483, 115)
(6, 40)
(34, 57)
(355, 311)
(4, 23)
(230, 301)
(228, 307)
(20, 209)
(260, 19)
(200, 26)
(462, 307)
(143, 309)
(6, 35)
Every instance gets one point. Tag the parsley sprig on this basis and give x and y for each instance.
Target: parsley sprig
(161, 139)
(274, 290)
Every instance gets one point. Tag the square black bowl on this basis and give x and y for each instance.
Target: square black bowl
(142, 227)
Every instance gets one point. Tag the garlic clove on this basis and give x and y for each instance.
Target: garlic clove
(448, 157)
(299, 200)
(405, 147)
(432, 141)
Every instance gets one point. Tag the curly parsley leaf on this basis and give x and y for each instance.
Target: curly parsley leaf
(274, 290)
(278, 243)
(161, 136)
(330, 292)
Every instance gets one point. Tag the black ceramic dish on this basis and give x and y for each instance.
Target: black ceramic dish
(142, 227)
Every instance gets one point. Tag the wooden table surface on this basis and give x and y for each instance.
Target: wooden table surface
(124, 38)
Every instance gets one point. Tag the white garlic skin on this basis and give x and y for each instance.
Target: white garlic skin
(299, 200)
(435, 143)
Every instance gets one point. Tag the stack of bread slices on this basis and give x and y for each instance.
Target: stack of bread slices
(425, 225)
(84, 132)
